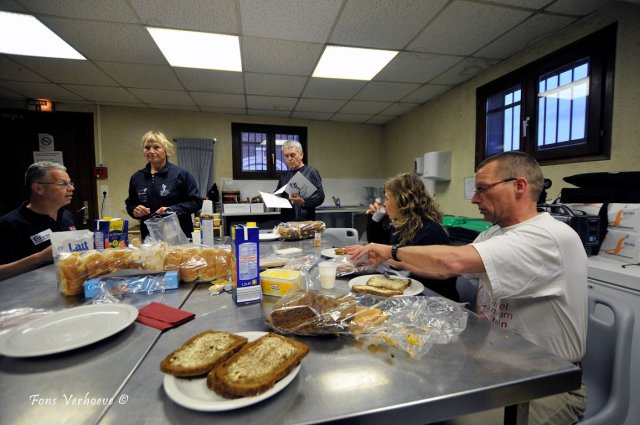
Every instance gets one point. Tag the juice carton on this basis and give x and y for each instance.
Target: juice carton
(247, 287)
(111, 233)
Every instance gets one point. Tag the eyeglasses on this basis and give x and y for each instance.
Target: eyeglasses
(480, 190)
(62, 183)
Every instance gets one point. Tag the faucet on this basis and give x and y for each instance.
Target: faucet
(336, 201)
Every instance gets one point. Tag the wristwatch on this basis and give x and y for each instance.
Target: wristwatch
(394, 252)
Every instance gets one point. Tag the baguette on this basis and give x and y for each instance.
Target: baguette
(396, 284)
(201, 353)
(257, 366)
(372, 290)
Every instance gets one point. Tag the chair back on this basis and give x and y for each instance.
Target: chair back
(468, 292)
(607, 361)
(340, 236)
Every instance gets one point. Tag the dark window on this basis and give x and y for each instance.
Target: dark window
(257, 152)
(557, 108)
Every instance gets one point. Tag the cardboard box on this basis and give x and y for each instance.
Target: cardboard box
(621, 245)
(624, 216)
(246, 248)
(277, 282)
(111, 233)
(257, 207)
(237, 208)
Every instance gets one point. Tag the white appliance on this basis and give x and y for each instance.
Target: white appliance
(608, 276)
(432, 167)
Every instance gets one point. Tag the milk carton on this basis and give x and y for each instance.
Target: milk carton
(246, 243)
(111, 233)
(621, 245)
(71, 241)
(624, 217)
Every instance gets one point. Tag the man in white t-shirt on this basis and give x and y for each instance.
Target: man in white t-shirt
(531, 270)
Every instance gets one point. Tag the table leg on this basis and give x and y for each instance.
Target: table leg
(516, 414)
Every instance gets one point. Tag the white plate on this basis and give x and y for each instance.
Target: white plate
(414, 289)
(67, 330)
(268, 236)
(331, 253)
(193, 393)
(288, 251)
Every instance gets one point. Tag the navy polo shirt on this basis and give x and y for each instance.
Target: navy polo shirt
(24, 232)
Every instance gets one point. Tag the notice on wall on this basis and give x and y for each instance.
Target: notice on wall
(54, 156)
(469, 187)
(45, 142)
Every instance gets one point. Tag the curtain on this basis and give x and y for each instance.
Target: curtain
(196, 155)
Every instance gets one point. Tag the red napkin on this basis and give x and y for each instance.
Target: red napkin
(162, 316)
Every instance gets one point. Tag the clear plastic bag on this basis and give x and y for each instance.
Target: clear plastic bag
(296, 230)
(17, 316)
(166, 228)
(409, 324)
(348, 267)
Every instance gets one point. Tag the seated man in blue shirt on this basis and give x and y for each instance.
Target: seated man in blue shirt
(26, 231)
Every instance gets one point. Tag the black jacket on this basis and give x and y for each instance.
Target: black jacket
(308, 211)
(172, 186)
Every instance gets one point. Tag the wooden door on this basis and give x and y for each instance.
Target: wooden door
(72, 135)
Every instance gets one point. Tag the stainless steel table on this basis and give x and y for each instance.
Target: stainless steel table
(339, 382)
(70, 387)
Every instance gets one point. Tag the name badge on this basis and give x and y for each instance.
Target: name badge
(41, 237)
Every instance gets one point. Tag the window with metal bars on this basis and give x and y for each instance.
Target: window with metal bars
(257, 152)
(558, 108)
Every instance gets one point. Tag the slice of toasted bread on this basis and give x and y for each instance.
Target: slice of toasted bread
(257, 366)
(372, 290)
(396, 284)
(201, 353)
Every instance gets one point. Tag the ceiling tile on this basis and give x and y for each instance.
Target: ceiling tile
(233, 111)
(173, 106)
(219, 100)
(12, 70)
(357, 118)
(578, 8)
(400, 108)
(67, 71)
(271, 103)
(323, 116)
(319, 105)
(166, 97)
(426, 93)
(380, 119)
(362, 107)
(197, 15)
(141, 76)
(410, 67)
(482, 24)
(210, 80)
(108, 42)
(530, 4)
(98, 10)
(40, 90)
(297, 20)
(383, 24)
(464, 70)
(266, 55)
(269, 112)
(521, 37)
(12, 6)
(329, 88)
(8, 94)
(274, 85)
(380, 90)
(102, 94)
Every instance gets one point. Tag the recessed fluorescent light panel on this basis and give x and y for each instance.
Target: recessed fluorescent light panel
(25, 35)
(351, 63)
(191, 49)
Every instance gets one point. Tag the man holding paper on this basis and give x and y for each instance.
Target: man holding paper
(302, 185)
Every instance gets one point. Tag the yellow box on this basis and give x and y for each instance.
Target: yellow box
(277, 282)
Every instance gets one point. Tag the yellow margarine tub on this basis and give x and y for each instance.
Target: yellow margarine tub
(277, 282)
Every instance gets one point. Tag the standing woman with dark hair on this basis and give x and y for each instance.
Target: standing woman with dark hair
(161, 185)
(412, 218)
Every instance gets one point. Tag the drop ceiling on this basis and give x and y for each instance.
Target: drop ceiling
(442, 43)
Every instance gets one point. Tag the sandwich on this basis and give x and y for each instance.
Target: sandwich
(257, 366)
(201, 353)
(396, 284)
(372, 290)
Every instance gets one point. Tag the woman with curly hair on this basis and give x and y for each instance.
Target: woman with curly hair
(412, 218)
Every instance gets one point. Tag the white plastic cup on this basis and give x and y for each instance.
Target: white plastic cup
(379, 214)
(207, 207)
(328, 271)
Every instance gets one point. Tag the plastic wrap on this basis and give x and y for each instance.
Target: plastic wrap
(409, 324)
(296, 230)
(349, 267)
(114, 289)
(17, 316)
(302, 264)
